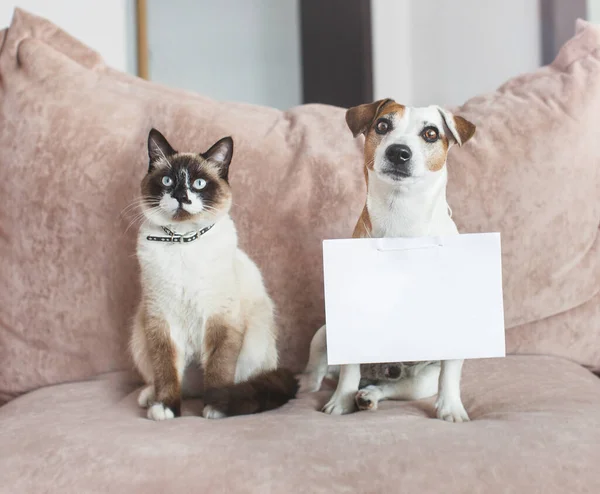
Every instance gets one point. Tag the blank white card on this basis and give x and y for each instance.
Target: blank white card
(409, 299)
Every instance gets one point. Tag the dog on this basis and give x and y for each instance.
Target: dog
(405, 169)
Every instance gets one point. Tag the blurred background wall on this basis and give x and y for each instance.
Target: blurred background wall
(285, 52)
(247, 50)
(106, 25)
(441, 51)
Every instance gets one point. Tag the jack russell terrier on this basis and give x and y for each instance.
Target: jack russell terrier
(405, 158)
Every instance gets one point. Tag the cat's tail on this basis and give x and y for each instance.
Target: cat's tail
(265, 391)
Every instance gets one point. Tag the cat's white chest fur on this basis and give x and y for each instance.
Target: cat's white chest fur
(188, 282)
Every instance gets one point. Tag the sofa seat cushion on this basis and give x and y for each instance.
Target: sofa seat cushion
(535, 428)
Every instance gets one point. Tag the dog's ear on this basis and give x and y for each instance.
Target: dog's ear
(359, 118)
(460, 128)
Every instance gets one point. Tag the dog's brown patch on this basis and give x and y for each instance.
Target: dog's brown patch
(221, 348)
(372, 138)
(439, 155)
(363, 226)
(163, 355)
(260, 393)
(360, 118)
(392, 107)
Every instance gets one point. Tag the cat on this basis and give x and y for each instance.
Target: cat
(203, 299)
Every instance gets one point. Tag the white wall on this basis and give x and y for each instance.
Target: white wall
(391, 34)
(593, 11)
(107, 26)
(447, 52)
(237, 50)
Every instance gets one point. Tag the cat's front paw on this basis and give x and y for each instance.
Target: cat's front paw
(158, 411)
(146, 396)
(210, 412)
(340, 405)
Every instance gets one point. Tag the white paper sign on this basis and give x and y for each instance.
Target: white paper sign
(409, 299)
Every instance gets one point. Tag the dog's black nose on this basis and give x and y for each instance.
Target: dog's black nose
(398, 154)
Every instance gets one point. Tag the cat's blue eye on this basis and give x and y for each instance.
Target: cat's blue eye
(199, 184)
(167, 181)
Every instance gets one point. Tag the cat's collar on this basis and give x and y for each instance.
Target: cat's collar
(178, 238)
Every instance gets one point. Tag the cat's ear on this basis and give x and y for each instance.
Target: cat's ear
(158, 149)
(220, 154)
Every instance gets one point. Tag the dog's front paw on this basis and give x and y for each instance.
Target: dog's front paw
(209, 412)
(158, 411)
(451, 410)
(308, 383)
(340, 405)
(367, 398)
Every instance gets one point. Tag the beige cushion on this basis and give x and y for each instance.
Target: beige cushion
(73, 133)
(536, 429)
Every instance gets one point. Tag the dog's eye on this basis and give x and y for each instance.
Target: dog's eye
(430, 134)
(167, 181)
(199, 184)
(383, 126)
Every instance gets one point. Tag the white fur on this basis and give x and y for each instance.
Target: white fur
(159, 412)
(210, 413)
(422, 384)
(187, 284)
(411, 207)
(146, 397)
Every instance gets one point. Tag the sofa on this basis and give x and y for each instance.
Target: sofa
(72, 139)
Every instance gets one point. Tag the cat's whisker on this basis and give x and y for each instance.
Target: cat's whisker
(148, 214)
(211, 209)
(138, 210)
(138, 205)
(139, 201)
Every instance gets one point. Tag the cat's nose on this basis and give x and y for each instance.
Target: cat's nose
(181, 196)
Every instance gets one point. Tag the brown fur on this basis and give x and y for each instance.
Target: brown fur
(363, 227)
(260, 393)
(391, 107)
(266, 391)
(360, 118)
(221, 348)
(167, 381)
(464, 128)
(438, 157)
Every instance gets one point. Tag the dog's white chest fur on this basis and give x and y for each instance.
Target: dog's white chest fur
(395, 212)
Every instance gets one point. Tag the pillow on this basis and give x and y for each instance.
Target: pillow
(532, 172)
(73, 138)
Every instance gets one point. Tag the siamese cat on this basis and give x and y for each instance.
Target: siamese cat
(203, 299)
